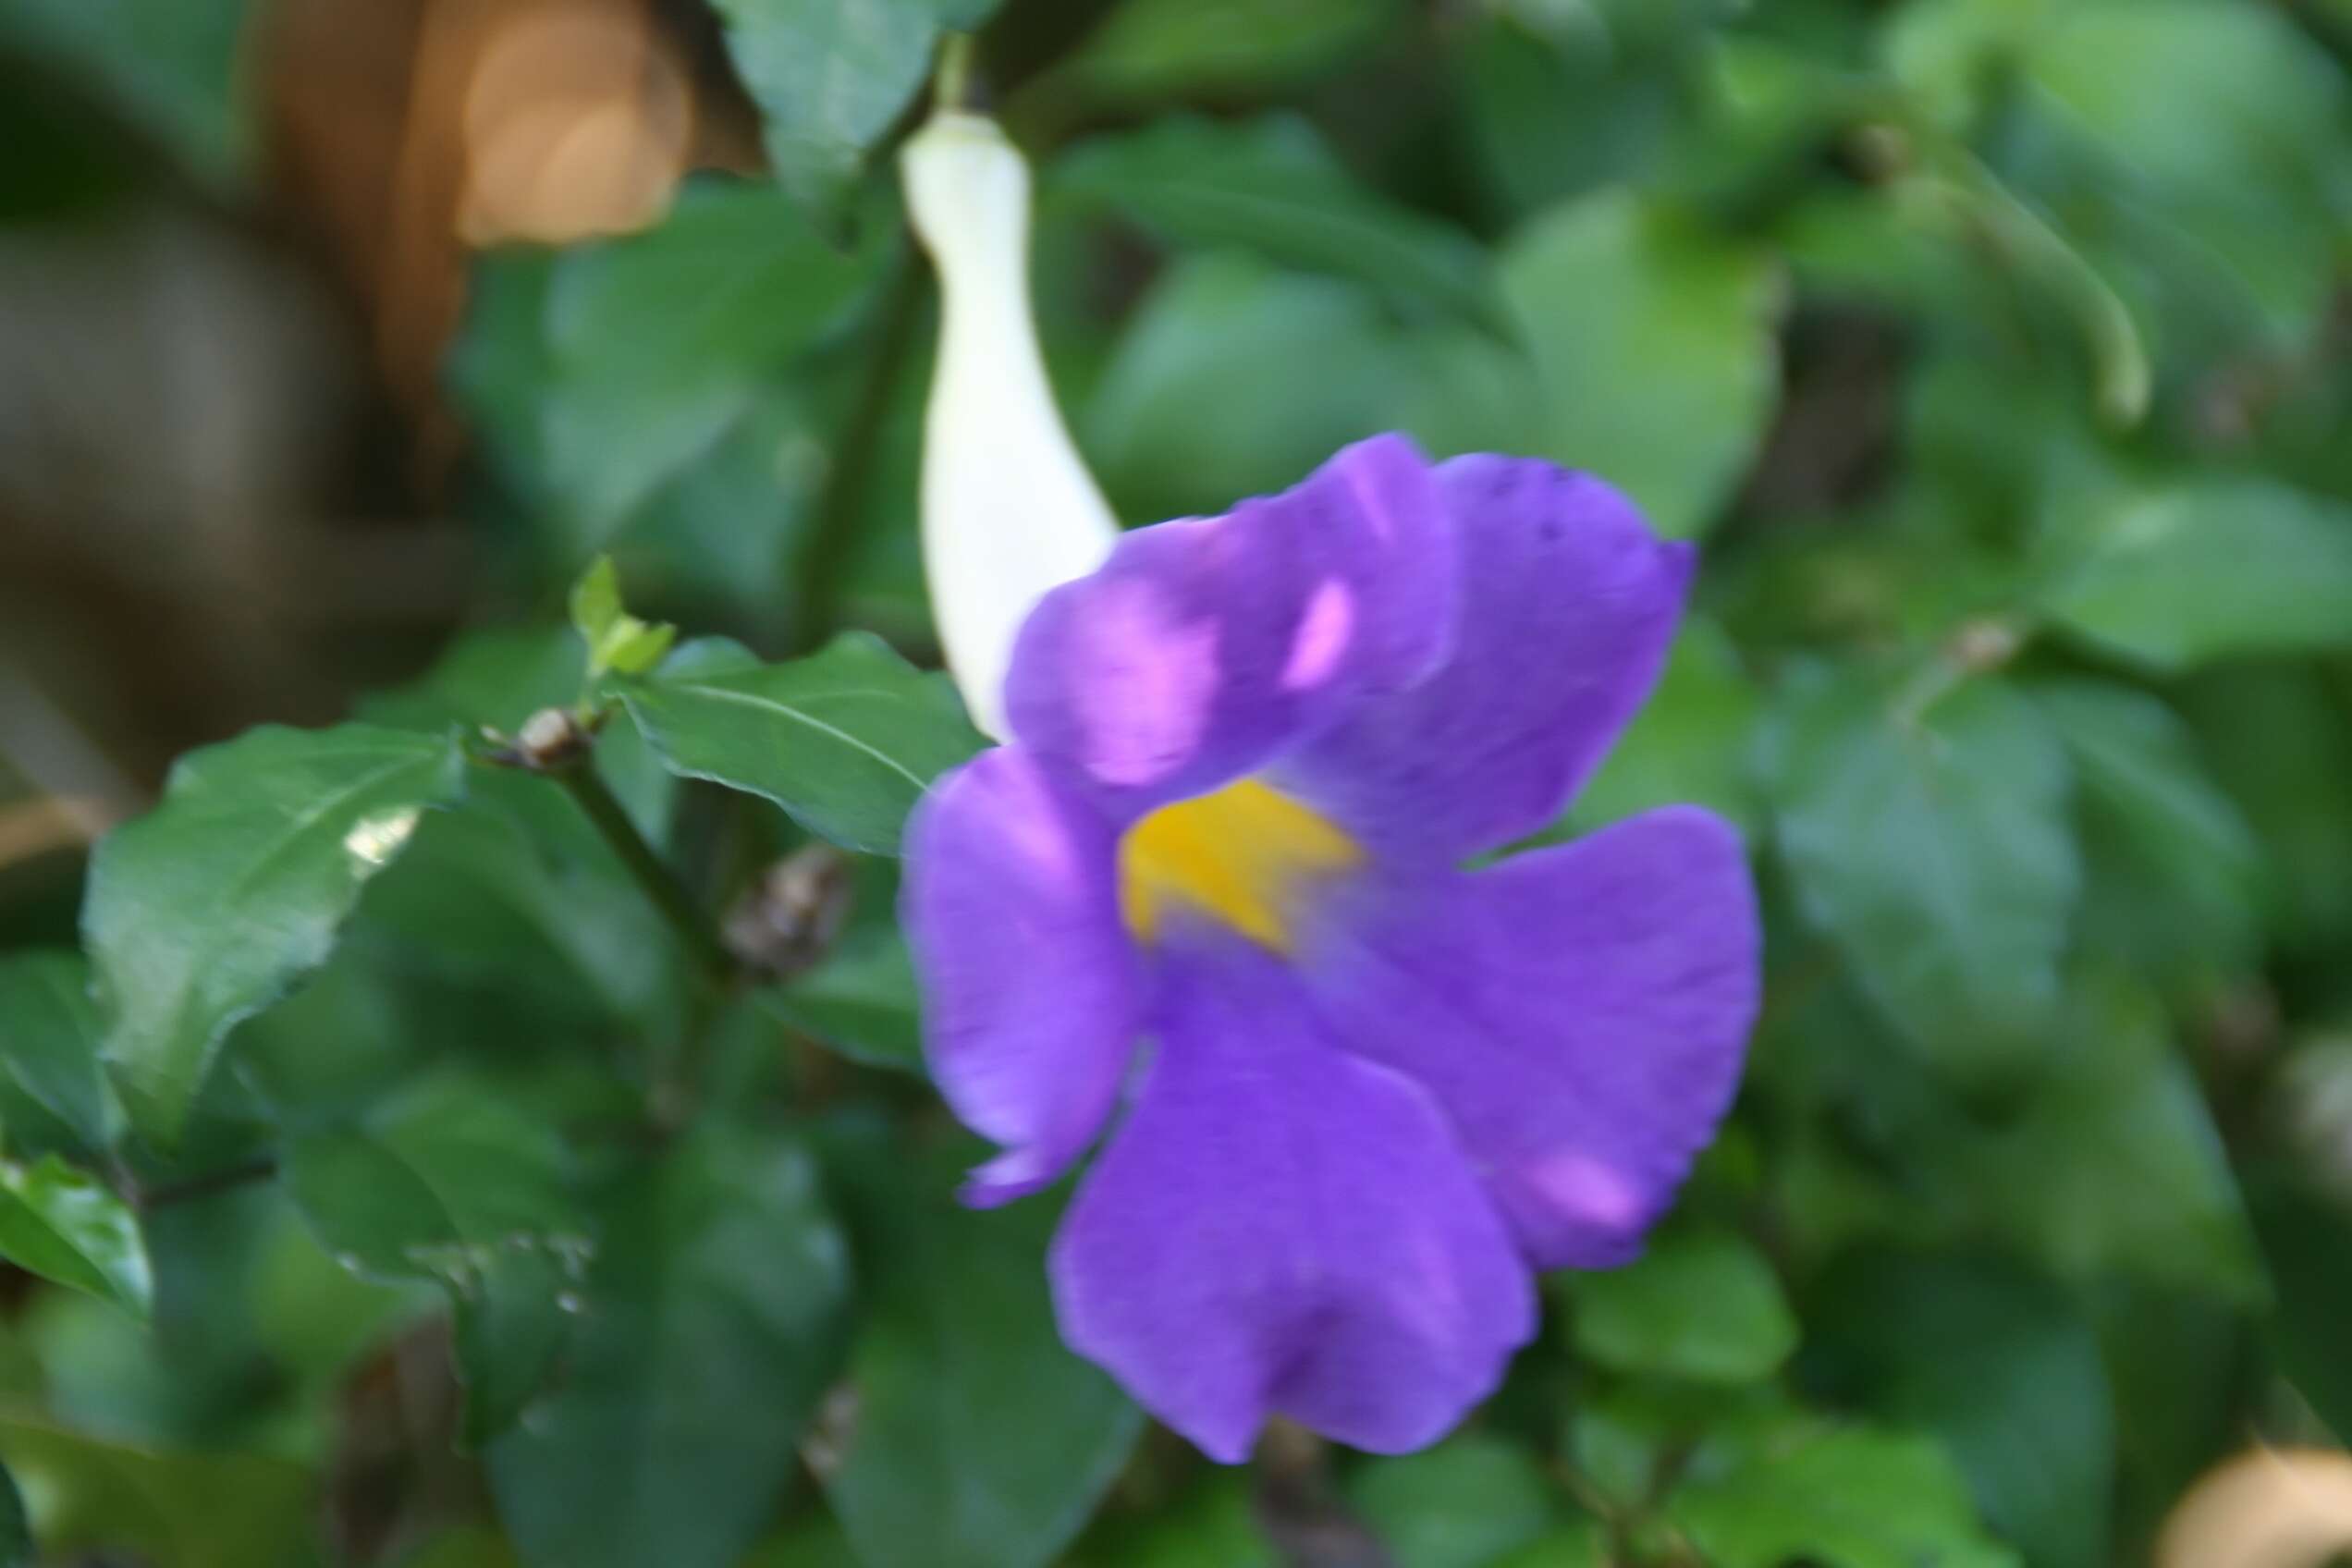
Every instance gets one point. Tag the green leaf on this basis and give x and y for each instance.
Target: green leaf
(1214, 1525)
(1271, 186)
(2178, 1363)
(315, 1319)
(2211, 569)
(171, 1509)
(978, 1439)
(1578, 1546)
(707, 499)
(68, 1226)
(1689, 744)
(1468, 391)
(2280, 741)
(1997, 1364)
(433, 1189)
(1154, 48)
(1654, 340)
(1557, 103)
(831, 76)
(2215, 130)
(1840, 1496)
(514, 895)
(2307, 1240)
(2113, 1167)
(1937, 852)
(466, 1547)
(171, 65)
(508, 1333)
(16, 1549)
(636, 647)
(657, 346)
(862, 1002)
(815, 1543)
(1462, 1504)
(1235, 378)
(514, 890)
(1764, 109)
(617, 641)
(204, 912)
(1704, 1306)
(846, 739)
(1949, 54)
(447, 1183)
(712, 1323)
(494, 677)
(50, 1032)
(595, 602)
(2174, 872)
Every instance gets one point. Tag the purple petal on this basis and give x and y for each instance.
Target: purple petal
(1283, 1228)
(1032, 990)
(1203, 644)
(1580, 1012)
(1568, 604)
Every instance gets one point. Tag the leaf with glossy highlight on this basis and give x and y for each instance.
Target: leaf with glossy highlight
(204, 912)
(845, 739)
(67, 1225)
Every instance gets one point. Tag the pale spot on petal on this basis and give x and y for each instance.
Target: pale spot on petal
(1583, 1188)
(1324, 633)
(1144, 715)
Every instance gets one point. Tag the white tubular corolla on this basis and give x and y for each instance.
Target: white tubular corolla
(1009, 509)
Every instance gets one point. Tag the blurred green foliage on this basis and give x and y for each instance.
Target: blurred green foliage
(417, 1180)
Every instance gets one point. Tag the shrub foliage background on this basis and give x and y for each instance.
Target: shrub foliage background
(407, 1184)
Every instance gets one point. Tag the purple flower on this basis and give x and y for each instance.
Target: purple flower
(1220, 871)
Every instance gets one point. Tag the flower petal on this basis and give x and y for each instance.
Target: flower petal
(1033, 996)
(1205, 644)
(1580, 1012)
(1282, 1227)
(1568, 604)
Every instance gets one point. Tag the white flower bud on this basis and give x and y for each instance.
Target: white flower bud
(1009, 509)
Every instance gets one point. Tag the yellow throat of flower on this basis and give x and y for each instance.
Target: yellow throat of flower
(1240, 854)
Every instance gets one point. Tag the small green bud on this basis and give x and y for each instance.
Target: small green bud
(618, 641)
(595, 601)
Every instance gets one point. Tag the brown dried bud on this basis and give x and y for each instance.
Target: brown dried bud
(550, 739)
(1985, 644)
(788, 922)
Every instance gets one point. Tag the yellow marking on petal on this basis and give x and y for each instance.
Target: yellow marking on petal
(1239, 854)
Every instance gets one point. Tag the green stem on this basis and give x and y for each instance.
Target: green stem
(1936, 680)
(1977, 648)
(660, 884)
(1954, 173)
(2116, 352)
(835, 537)
(950, 87)
(261, 1167)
